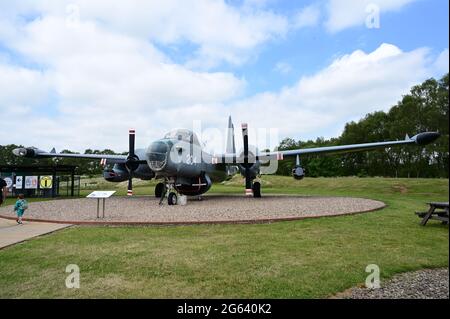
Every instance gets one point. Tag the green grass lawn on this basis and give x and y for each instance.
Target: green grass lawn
(11, 201)
(310, 258)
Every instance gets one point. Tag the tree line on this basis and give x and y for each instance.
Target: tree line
(425, 108)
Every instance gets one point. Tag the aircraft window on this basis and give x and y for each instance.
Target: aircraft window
(158, 147)
(183, 135)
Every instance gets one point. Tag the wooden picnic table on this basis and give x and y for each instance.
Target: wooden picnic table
(437, 211)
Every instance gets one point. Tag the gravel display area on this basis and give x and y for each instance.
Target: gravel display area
(212, 208)
(422, 284)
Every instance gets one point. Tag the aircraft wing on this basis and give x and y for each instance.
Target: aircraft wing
(32, 152)
(419, 139)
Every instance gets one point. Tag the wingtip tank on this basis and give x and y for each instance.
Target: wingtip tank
(426, 138)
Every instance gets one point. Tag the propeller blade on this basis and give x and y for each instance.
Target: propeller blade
(248, 179)
(132, 160)
(130, 185)
(131, 136)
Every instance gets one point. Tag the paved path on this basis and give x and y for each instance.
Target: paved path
(12, 233)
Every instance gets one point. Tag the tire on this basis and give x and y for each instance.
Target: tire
(172, 199)
(159, 190)
(256, 190)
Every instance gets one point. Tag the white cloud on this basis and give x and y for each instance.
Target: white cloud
(220, 31)
(97, 107)
(441, 65)
(343, 14)
(307, 17)
(103, 82)
(350, 87)
(104, 74)
(20, 86)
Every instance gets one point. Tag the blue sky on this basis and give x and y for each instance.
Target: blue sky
(419, 24)
(86, 71)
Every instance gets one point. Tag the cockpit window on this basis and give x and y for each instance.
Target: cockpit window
(183, 135)
(159, 147)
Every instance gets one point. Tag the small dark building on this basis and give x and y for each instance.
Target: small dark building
(41, 181)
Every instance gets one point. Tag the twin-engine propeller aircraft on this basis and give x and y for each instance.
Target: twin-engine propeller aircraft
(184, 168)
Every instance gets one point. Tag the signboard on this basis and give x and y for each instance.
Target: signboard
(101, 194)
(46, 182)
(31, 182)
(9, 182)
(19, 182)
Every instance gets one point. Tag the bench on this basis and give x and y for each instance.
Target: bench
(437, 211)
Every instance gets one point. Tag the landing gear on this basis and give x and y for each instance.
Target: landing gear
(162, 189)
(159, 190)
(256, 187)
(172, 199)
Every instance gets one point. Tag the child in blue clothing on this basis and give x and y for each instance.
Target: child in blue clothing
(20, 207)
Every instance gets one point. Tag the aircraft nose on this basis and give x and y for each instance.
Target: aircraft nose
(157, 155)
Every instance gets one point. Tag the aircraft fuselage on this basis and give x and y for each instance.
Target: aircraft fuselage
(178, 161)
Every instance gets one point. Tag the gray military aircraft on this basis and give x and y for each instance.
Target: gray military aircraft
(183, 167)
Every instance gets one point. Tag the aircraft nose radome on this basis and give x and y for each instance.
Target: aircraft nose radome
(427, 137)
(157, 155)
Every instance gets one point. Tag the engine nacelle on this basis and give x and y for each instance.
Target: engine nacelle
(117, 174)
(253, 164)
(28, 152)
(254, 167)
(193, 186)
(298, 172)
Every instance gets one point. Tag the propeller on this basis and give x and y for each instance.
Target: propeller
(132, 162)
(247, 175)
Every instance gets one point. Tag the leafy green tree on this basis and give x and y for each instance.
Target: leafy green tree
(425, 108)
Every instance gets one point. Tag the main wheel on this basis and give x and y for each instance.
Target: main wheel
(256, 189)
(159, 190)
(172, 199)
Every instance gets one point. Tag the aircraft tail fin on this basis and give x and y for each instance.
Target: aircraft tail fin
(231, 147)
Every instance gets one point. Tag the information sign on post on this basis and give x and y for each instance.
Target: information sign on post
(101, 195)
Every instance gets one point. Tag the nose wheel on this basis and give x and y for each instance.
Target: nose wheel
(172, 199)
(161, 190)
